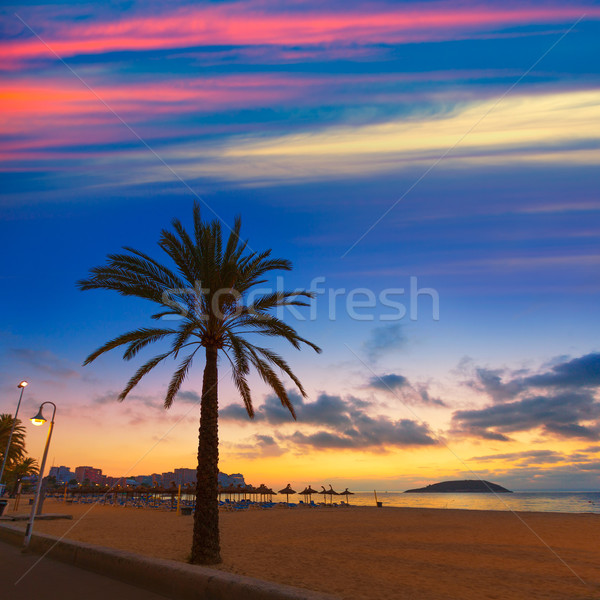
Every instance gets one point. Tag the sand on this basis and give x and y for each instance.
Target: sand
(373, 553)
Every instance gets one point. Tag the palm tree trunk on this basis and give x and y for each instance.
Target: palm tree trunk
(205, 542)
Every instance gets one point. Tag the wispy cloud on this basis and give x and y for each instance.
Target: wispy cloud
(255, 23)
(388, 382)
(340, 422)
(526, 458)
(43, 361)
(567, 408)
(540, 128)
(259, 446)
(370, 433)
(384, 340)
(400, 386)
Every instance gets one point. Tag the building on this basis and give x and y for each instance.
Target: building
(62, 474)
(168, 479)
(185, 476)
(235, 479)
(90, 473)
(113, 482)
(180, 476)
(145, 480)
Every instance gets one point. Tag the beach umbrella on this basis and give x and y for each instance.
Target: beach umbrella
(246, 490)
(258, 491)
(271, 494)
(332, 493)
(346, 493)
(240, 490)
(287, 490)
(307, 492)
(231, 489)
(324, 493)
(252, 492)
(262, 490)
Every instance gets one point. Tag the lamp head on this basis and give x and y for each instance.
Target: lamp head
(38, 419)
(23, 384)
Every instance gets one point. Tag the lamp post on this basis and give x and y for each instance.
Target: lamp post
(39, 420)
(21, 385)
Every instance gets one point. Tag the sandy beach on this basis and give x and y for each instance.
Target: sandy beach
(363, 552)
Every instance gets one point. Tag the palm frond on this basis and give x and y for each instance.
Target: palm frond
(143, 370)
(275, 300)
(282, 364)
(136, 339)
(178, 378)
(271, 326)
(126, 283)
(190, 328)
(233, 241)
(184, 261)
(166, 313)
(163, 275)
(270, 377)
(240, 368)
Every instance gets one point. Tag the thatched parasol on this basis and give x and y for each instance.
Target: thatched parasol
(232, 489)
(307, 492)
(287, 490)
(324, 493)
(346, 493)
(247, 490)
(262, 490)
(332, 493)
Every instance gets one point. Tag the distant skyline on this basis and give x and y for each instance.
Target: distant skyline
(453, 149)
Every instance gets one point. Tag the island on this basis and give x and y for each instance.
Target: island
(468, 486)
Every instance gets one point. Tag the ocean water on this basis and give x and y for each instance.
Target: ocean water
(569, 502)
(562, 502)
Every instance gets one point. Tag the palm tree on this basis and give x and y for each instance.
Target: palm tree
(206, 292)
(23, 468)
(17, 444)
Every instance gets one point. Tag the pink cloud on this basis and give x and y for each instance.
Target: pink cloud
(68, 102)
(53, 113)
(69, 96)
(249, 24)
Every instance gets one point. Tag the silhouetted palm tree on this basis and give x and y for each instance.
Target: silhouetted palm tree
(206, 291)
(22, 468)
(17, 443)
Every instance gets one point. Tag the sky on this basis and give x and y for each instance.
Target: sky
(430, 168)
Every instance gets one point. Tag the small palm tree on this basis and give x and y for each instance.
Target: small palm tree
(206, 292)
(17, 443)
(22, 468)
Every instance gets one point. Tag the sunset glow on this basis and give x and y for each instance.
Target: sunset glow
(374, 145)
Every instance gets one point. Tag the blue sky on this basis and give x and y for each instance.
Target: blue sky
(457, 144)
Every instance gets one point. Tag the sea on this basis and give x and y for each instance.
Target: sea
(562, 502)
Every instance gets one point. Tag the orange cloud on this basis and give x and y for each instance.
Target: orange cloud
(51, 113)
(71, 97)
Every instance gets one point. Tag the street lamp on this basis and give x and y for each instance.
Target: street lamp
(21, 385)
(39, 420)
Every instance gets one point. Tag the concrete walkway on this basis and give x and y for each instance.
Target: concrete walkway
(50, 580)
